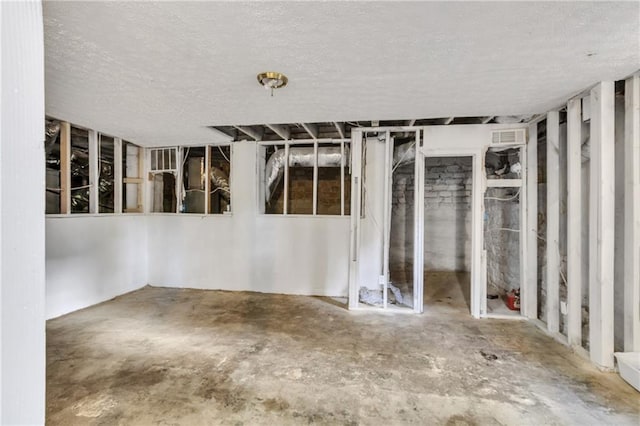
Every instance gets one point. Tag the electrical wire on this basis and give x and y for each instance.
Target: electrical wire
(223, 154)
(504, 199)
(403, 157)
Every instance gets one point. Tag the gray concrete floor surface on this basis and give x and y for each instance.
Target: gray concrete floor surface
(161, 356)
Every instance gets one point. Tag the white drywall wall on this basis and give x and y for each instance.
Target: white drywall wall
(22, 301)
(247, 250)
(91, 259)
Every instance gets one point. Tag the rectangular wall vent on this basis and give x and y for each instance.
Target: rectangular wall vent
(509, 136)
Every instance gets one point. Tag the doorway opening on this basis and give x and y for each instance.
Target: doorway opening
(448, 219)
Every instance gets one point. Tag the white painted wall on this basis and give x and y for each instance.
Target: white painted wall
(92, 258)
(247, 250)
(22, 300)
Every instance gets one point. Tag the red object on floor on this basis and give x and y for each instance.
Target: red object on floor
(513, 300)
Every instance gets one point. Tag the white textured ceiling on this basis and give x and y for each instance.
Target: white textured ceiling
(158, 73)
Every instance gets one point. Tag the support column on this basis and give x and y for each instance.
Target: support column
(601, 224)
(574, 222)
(632, 216)
(530, 290)
(553, 221)
(22, 207)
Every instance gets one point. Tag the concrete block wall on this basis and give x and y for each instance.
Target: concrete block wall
(447, 198)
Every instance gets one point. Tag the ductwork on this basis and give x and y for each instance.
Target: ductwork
(330, 156)
(404, 154)
(220, 182)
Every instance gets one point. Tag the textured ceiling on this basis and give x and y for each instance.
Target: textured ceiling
(159, 73)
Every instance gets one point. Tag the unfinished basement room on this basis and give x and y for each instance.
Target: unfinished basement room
(319, 212)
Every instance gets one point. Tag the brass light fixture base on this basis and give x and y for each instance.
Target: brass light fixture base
(272, 80)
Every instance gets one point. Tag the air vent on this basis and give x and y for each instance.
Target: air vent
(510, 136)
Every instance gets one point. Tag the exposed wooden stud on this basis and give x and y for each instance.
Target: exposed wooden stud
(340, 127)
(94, 171)
(311, 129)
(411, 123)
(65, 167)
(207, 179)
(315, 179)
(530, 289)
(386, 236)
(524, 235)
(356, 201)
(632, 216)
(601, 224)
(487, 119)
(342, 166)
(254, 134)
(285, 201)
(553, 222)
(418, 226)
(574, 222)
(117, 175)
(281, 130)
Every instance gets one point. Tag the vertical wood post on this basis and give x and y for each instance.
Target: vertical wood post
(553, 221)
(601, 224)
(574, 222)
(632, 216)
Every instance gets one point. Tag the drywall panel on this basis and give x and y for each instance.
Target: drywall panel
(291, 255)
(22, 325)
(247, 250)
(91, 259)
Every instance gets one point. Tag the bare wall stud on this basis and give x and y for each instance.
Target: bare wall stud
(574, 223)
(601, 224)
(632, 216)
(553, 221)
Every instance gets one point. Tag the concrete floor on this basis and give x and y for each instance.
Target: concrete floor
(166, 356)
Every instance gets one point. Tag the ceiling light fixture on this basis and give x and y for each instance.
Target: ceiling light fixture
(272, 80)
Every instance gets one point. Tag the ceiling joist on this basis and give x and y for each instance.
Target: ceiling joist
(311, 129)
(281, 130)
(340, 127)
(251, 132)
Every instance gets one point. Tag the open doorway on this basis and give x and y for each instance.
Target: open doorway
(448, 219)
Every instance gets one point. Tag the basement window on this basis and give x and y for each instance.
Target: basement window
(305, 178)
(131, 178)
(79, 165)
(163, 176)
(106, 180)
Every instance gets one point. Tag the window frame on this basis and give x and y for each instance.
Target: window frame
(287, 144)
(94, 172)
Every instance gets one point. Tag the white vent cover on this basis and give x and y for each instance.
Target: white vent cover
(509, 136)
